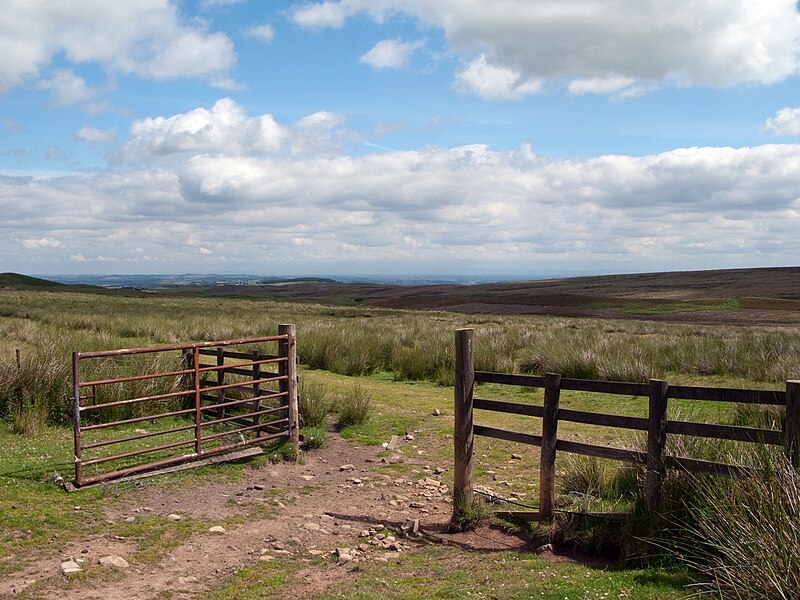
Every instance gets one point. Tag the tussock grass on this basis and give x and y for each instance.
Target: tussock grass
(354, 407)
(410, 345)
(313, 404)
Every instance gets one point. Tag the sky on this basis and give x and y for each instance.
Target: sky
(379, 137)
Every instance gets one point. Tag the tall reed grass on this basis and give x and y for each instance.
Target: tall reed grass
(352, 341)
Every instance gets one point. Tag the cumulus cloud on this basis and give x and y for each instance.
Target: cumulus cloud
(437, 204)
(66, 88)
(494, 83)
(39, 243)
(390, 54)
(597, 44)
(785, 122)
(263, 33)
(147, 38)
(225, 128)
(87, 133)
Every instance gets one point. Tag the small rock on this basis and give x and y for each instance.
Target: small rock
(411, 526)
(347, 467)
(216, 529)
(436, 412)
(308, 477)
(409, 437)
(516, 456)
(314, 552)
(393, 442)
(112, 560)
(417, 505)
(544, 548)
(130, 519)
(311, 526)
(266, 557)
(70, 566)
(364, 533)
(187, 580)
(259, 487)
(174, 517)
(438, 471)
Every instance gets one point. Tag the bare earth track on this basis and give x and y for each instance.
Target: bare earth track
(314, 508)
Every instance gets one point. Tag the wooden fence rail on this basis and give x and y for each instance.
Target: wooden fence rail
(656, 424)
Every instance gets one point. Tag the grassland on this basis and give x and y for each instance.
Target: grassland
(404, 360)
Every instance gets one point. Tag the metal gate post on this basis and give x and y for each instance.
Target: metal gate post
(76, 416)
(198, 416)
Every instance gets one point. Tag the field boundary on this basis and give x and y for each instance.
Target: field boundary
(212, 417)
(656, 424)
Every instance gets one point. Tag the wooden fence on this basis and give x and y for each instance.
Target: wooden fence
(656, 424)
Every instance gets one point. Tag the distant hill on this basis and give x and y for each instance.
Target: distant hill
(730, 295)
(16, 280)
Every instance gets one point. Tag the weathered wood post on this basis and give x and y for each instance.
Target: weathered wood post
(656, 441)
(19, 359)
(547, 466)
(462, 433)
(791, 427)
(288, 368)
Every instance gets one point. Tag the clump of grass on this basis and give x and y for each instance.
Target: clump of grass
(354, 407)
(314, 404)
(468, 517)
(312, 437)
(745, 538)
(28, 415)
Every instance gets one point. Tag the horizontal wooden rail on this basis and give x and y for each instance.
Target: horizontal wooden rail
(727, 432)
(685, 392)
(508, 379)
(516, 408)
(511, 436)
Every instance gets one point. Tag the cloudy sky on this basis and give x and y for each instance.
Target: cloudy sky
(518, 137)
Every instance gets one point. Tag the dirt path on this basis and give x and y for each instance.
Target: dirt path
(337, 499)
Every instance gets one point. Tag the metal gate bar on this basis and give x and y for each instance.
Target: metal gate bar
(193, 395)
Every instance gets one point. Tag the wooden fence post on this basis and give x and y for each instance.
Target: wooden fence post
(463, 434)
(791, 428)
(289, 385)
(547, 464)
(19, 359)
(656, 441)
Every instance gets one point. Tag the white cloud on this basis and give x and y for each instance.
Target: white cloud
(225, 128)
(599, 85)
(87, 133)
(494, 83)
(147, 38)
(704, 42)
(390, 54)
(39, 243)
(263, 33)
(785, 122)
(66, 88)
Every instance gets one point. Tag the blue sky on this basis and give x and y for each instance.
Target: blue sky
(398, 136)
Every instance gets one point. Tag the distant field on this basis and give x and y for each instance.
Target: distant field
(742, 295)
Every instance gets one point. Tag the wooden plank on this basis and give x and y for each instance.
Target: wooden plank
(656, 442)
(791, 427)
(620, 388)
(590, 418)
(288, 350)
(463, 434)
(726, 432)
(740, 396)
(708, 467)
(511, 436)
(601, 451)
(547, 463)
(508, 407)
(509, 379)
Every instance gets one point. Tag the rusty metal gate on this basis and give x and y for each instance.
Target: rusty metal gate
(212, 397)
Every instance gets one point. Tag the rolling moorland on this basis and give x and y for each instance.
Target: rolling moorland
(284, 521)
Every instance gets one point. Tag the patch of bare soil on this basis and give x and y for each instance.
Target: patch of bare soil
(336, 499)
